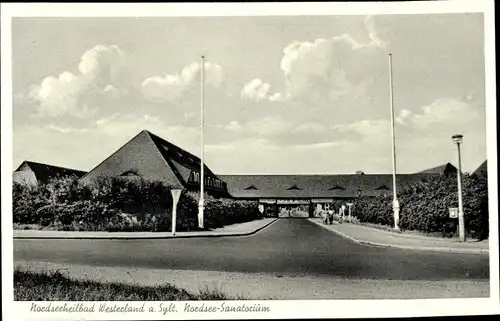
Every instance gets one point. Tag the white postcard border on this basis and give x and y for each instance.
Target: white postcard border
(279, 309)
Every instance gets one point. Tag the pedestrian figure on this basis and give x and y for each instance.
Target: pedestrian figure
(330, 217)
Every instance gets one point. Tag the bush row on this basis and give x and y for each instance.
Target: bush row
(424, 206)
(114, 204)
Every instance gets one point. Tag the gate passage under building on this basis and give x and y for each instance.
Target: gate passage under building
(309, 206)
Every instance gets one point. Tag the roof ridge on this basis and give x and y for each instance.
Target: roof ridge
(54, 166)
(168, 161)
(112, 154)
(155, 138)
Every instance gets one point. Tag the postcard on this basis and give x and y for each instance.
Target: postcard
(249, 160)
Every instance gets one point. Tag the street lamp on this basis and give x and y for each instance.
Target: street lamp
(458, 139)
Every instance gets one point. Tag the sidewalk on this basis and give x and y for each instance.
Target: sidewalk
(240, 229)
(372, 236)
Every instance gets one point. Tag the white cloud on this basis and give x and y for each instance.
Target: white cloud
(189, 116)
(403, 116)
(442, 117)
(311, 128)
(66, 94)
(173, 87)
(277, 97)
(450, 112)
(233, 126)
(112, 90)
(66, 130)
(104, 121)
(317, 69)
(255, 90)
(366, 128)
(268, 126)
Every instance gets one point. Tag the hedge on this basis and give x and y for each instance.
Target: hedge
(424, 206)
(115, 204)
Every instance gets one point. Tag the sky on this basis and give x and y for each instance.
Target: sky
(283, 95)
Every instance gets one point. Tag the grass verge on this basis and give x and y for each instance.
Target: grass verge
(55, 286)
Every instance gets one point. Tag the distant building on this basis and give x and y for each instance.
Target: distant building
(442, 169)
(482, 170)
(34, 173)
(150, 157)
(317, 191)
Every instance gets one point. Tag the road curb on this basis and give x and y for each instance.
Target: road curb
(416, 248)
(143, 237)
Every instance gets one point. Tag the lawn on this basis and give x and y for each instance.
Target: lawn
(55, 286)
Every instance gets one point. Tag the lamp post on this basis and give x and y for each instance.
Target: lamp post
(201, 203)
(457, 139)
(395, 203)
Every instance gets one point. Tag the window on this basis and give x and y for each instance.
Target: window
(129, 173)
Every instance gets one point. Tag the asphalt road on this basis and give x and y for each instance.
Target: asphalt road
(287, 247)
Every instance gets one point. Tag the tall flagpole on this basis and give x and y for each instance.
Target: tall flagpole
(395, 203)
(201, 204)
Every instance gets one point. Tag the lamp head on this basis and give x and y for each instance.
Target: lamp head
(457, 139)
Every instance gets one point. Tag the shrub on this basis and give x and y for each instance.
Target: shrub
(123, 222)
(424, 206)
(26, 200)
(66, 204)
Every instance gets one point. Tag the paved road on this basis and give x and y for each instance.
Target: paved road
(288, 247)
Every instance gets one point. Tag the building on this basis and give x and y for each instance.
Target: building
(314, 193)
(150, 157)
(442, 169)
(35, 173)
(482, 170)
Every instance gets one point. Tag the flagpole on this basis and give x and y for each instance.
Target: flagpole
(395, 203)
(201, 204)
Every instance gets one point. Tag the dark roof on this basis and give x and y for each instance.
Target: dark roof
(482, 169)
(45, 172)
(442, 169)
(315, 186)
(184, 161)
(151, 157)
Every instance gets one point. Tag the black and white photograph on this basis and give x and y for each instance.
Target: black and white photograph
(249, 160)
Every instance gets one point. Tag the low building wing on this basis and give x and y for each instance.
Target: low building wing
(33, 172)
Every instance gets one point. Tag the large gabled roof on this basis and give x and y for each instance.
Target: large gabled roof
(151, 157)
(45, 172)
(315, 186)
(183, 160)
(482, 169)
(441, 169)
